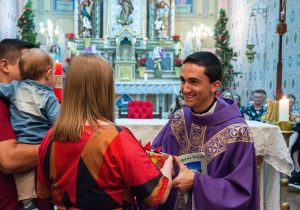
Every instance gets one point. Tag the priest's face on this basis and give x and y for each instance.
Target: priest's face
(196, 88)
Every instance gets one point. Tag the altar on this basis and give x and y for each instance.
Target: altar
(136, 36)
(268, 141)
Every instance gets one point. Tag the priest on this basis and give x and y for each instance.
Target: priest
(215, 127)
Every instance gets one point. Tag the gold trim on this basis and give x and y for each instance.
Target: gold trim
(216, 145)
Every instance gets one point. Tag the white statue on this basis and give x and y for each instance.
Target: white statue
(86, 7)
(157, 55)
(162, 19)
(126, 10)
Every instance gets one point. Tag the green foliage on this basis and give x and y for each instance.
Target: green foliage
(26, 24)
(223, 51)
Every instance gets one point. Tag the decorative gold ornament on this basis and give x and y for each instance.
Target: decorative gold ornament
(271, 116)
(250, 53)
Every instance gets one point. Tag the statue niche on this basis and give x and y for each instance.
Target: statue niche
(86, 18)
(125, 49)
(125, 55)
(126, 10)
(162, 25)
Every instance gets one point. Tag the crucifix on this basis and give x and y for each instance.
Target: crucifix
(281, 29)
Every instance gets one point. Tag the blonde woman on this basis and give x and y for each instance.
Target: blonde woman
(86, 161)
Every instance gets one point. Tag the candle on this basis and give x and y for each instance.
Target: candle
(145, 77)
(57, 86)
(58, 68)
(284, 109)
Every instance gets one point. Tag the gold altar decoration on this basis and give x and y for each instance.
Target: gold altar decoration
(271, 116)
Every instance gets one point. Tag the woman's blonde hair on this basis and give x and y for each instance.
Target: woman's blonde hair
(88, 97)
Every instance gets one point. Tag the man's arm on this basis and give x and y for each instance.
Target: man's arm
(17, 157)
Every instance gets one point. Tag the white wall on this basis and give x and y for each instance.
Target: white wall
(262, 72)
(9, 18)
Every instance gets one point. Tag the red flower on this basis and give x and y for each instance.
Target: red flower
(176, 38)
(70, 35)
(178, 62)
(142, 62)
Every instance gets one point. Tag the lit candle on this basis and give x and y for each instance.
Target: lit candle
(145, 77)
(284, 109)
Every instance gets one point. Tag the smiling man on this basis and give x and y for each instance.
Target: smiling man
(215, 127)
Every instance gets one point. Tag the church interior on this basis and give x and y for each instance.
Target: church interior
(146, 42)
(154, 36)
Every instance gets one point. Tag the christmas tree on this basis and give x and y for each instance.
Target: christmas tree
(26, 24)
(223, 51)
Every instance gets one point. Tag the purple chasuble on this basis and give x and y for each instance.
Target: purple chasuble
(225, 138)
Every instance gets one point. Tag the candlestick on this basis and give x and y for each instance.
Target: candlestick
(57, 86)
(284, 109)
(145, 77)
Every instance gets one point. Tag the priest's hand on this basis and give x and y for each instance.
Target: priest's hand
(184, 180)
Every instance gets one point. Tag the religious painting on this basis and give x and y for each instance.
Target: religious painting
(184, 6)
(64, 5)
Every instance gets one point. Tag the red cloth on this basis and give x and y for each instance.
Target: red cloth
(104, 169)
(8, 193)
(140, 109)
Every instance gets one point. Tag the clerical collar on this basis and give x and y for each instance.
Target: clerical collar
(210, 110)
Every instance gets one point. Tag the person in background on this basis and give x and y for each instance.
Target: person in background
(294, 143)
(250, 102)
(178, 104)
(55, 52)
(292, 100)
(215, 127)
(257, 110)
(237, 99)
(14, 157)
(227, 94)
(106, 165)
(33, 108)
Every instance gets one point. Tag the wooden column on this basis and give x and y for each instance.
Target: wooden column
(281, 29)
